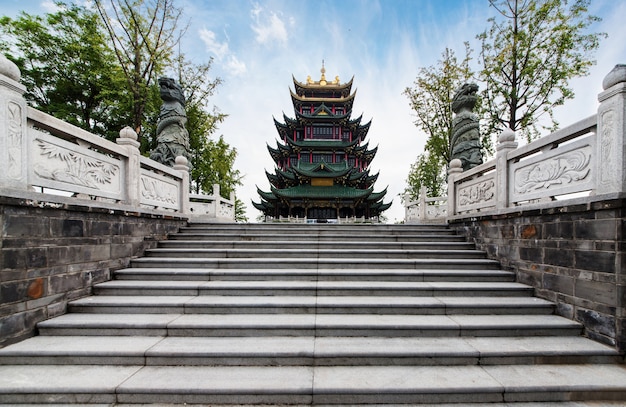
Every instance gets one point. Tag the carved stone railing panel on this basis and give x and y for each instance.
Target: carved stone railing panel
(563, 170)
(476, 194)
(425, 209)
(158, 191)
(65, 166)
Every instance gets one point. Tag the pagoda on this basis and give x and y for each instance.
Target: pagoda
(321, 159)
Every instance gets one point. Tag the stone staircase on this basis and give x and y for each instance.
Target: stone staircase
(311, 314)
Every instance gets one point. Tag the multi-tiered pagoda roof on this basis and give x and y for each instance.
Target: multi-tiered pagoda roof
(322, 160)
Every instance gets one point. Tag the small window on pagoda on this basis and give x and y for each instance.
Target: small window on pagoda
(293, 161)
(316, 158)
(339, 110)
(299, 135)
(346, 136)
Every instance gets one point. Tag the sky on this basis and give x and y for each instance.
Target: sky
(258, 46)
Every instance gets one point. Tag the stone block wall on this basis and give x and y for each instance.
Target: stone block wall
(53, 253)
(573, 255)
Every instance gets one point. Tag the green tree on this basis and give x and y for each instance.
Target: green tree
(67, 67)
(143, 34)
(216, 161)
(427, 171)
(240, 211)
(430, 98)
(529, 54)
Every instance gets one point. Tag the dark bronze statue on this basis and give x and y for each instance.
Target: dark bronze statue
(172, 136)
(465, 142)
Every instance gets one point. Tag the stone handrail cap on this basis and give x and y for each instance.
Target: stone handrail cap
(9, 69)
(506, 135)
(128, 132)
(181, 160)
(456, 163)
(617, 75)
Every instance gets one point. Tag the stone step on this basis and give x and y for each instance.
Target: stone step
(309, 245)
(310, 385)
(343, 237)
(304, 351)
(312, 288)
(117, 304)
(283, 253)
(314, 263)
(408, 275)
(318, 325)
(317, 228)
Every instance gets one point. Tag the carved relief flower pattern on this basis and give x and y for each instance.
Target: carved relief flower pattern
(561, 170)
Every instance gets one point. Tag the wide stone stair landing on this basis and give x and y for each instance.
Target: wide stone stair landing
(310, 314)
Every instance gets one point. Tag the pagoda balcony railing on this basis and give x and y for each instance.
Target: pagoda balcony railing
(53, 162)
(583, 162)
(344, 220)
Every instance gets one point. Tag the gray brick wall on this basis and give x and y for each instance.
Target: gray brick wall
(572, 255)
(51, 254)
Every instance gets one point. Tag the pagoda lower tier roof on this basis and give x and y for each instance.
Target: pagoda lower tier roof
(322, 169)
(380, 207)
(322, 192)
(377, 196)
(268, 196)
(263, 206)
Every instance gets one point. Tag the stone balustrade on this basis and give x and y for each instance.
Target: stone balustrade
(53, 158)
(553, 211)
(425, 209)
(584, 160)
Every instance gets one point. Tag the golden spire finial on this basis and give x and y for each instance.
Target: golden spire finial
(323, 71)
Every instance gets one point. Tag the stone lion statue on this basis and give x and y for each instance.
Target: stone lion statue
(172, 136)
(465, 141)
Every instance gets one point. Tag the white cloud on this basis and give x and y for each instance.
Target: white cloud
(220, 49)
(269, 27)
(229, 61)
(235, 66)
(49, 6)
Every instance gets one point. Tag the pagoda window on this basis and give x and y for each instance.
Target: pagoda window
(316, 157)
(345, 136)
(323, 132)
(339, 110)
(305, 157)
(293, 161)
(351, 161)
(299, 135)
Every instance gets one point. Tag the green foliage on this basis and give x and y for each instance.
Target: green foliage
(143, 34)
(240, 211)
(428, 171)
(430, 98)
(213, 163)
(529, 54)
(68, 68)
